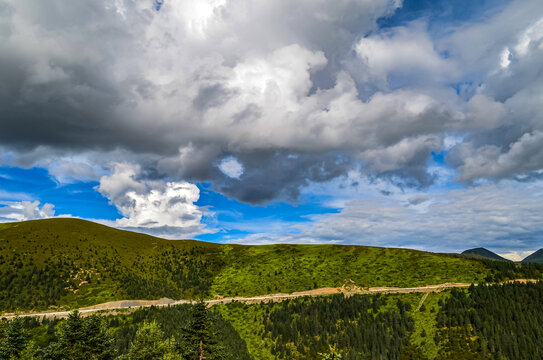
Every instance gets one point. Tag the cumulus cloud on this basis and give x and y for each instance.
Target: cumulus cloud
(298, 91)
(507, 107)
(523, 156)
(408, 156)
(189, 84)
(403, 56)
(159, 208)
(25, 210)
(231, 167)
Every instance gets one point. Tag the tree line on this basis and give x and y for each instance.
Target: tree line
(187, 332)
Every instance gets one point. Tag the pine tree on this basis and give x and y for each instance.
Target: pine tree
(150, 344)
(82, 339)
(199, 341)
(70, 337)
(30, 352)
(98, 343)
(14, 340)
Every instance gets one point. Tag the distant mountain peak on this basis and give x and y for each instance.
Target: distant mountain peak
(485, 253)
(536, 257)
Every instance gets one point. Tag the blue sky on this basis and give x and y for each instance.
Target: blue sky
(441, 13)
(231, 218)
(386, 123)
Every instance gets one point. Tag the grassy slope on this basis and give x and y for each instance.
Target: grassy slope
(425, 319)
(86, 247)
(109, 256)
(288, 268)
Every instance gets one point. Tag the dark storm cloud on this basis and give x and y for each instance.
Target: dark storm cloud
(210, 96)
(176, 87)
(279, 175)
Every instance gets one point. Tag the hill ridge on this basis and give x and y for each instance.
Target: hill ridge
(485, 253)
(536, 257)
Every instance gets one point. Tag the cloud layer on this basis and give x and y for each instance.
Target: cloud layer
(501, 217)
(262, 99)
(192, 84)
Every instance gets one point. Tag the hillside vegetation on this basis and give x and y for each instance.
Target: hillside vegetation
(74, 263)
(480, 322)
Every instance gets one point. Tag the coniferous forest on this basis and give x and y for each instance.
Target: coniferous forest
(482, 322)
(354, 326)
(492, 322)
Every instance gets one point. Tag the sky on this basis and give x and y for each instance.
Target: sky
(374, 122)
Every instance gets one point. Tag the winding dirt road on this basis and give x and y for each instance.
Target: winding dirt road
(110, 307)
(134, 304)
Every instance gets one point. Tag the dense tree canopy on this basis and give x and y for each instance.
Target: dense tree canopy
(501, 322)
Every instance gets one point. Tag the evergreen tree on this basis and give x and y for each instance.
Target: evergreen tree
(70, 336)
(82, 339)
(150, 344)
(497, 321)
(199, 341)
(98, 343)
(14, 339)
(30, 352)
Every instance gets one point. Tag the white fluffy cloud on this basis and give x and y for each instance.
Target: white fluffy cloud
(25, 210)
(523, 156)
(194, 82)
(505, 54)
(160, 208)
(231, 167)
(406, 55)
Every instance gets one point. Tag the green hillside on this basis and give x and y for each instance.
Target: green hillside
(485, 253)
(75, 263)
(536, 257)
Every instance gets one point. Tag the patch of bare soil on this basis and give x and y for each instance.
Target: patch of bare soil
(523, 281)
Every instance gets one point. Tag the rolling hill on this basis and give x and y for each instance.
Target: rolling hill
(485, 253)
(73, 263)
(536, 257)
